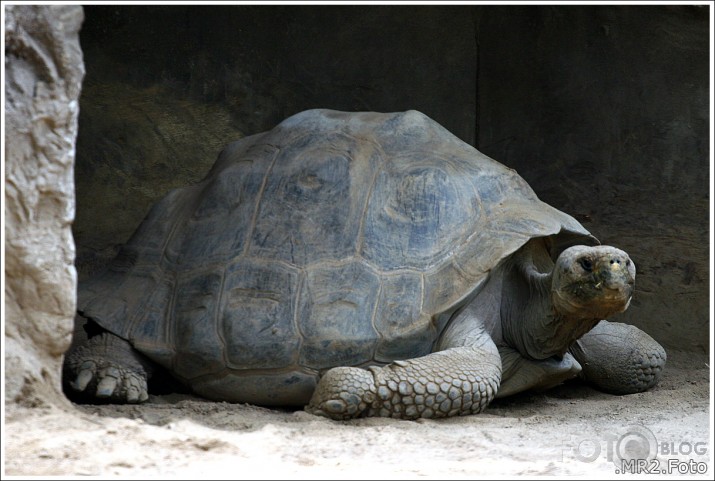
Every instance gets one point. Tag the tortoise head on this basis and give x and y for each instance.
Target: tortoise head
(592, 282)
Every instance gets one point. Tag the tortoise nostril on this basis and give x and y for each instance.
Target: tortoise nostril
(615, 261)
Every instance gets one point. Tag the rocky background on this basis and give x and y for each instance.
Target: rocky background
(603, 109)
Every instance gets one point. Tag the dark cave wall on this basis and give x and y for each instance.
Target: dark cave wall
(603, 109)
(168, 87)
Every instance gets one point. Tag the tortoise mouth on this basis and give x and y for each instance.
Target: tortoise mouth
(610, 304)
(593, 299)
(614, 294)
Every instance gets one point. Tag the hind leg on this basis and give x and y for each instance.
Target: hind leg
(107, 369)
(619, 358)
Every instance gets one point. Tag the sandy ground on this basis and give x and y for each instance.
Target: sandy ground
(569, 430)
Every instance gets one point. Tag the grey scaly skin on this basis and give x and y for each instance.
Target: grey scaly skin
(540, 338)
(109, 369)
(462, 380)
(619, 358)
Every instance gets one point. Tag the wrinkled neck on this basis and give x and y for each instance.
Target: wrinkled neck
(530, 323)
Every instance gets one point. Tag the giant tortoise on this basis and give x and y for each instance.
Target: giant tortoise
(364, 264)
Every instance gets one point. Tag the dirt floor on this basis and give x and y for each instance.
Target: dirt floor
(569, 430)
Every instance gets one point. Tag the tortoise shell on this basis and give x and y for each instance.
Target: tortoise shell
(335, 239)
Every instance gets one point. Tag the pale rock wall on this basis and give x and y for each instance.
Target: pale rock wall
(43, 75)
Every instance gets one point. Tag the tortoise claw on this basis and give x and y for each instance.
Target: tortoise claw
(133, 394)
(343, 393)
(108, 383)
(85, 375)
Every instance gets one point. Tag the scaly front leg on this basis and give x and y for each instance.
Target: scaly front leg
(456, 381)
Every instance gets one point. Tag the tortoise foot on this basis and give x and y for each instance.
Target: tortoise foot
(106, 369)
(343, 393)
(620, 358)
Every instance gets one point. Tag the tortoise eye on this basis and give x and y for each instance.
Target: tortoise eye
(586, 264)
